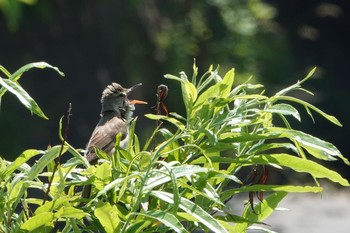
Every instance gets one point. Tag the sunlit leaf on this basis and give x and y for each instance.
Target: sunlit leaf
(42, 219)
(108, 217)
(102, 175)
(220, 89)
(264, 210)
(166, 218)
(21, 159)
(169, 119)
(309, 106)
(299, 165)
(40, 65)
(71, 212)
(194, 210)
(315, 146)
(178, 171)
(23, 96)
(284, 109)
(276, 188)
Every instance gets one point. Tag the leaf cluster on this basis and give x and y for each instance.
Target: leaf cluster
(183, 182)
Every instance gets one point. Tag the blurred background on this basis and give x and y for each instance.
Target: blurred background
(98, 42)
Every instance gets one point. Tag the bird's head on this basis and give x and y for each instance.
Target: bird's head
(115, 99)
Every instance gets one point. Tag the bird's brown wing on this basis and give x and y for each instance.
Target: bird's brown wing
(103, 137)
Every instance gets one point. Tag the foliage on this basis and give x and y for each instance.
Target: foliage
(182, 182)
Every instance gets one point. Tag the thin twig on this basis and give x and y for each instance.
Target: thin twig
(57, 161)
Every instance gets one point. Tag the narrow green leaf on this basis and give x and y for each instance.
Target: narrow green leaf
(315, 146)
(71, 212)
(108, 217)
(169, 119)
(196, 211)
(14, 191)
(5, 71)
(264, 209)
(205, 81)
(21, 159)
(212, 137)
(191, 91)
(284, 109)
(169, 168)
(309, 75)
(173, 77)
(270, 146)
(40, 165)
(116, 183)
(40, 65)
(195, 73)
(42, 219)
(47, 157)
(23, 96)
(15, 76)
(51, 205)
(297, 85)
(299, 165)
(166, 218)
(220, 89)
(228, 80)
(272, 188)
(162, 177)
(307, 106)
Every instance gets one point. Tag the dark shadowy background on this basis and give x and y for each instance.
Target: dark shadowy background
(97, 42)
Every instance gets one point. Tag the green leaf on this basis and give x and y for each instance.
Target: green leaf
(14, 192)
(42, 219)
(12, 85)
(191, 92)
(307, 106)
(51, 205)
(264, 208)
(15, 76)
(71, 212)
(194, 210)
(220, 89)
(172, 120)
(23, 96)
(271, 188)
(103, 175)
(258, 148)
(40, 65)
(21, 159)
(299, 165)
(47, 157)
(166, 218)
(40, 165)
(296, 86)
(315, 146)
(162, 177)
(108, 217)
(173, 77)
(284, 109)
(5, 71)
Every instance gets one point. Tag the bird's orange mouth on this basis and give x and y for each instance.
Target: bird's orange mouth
(137, 102)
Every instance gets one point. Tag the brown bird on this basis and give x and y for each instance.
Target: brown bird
(116, 113)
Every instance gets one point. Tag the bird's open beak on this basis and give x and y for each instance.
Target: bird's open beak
(130, 90)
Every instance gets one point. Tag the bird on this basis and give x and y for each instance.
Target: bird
(116, 114)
